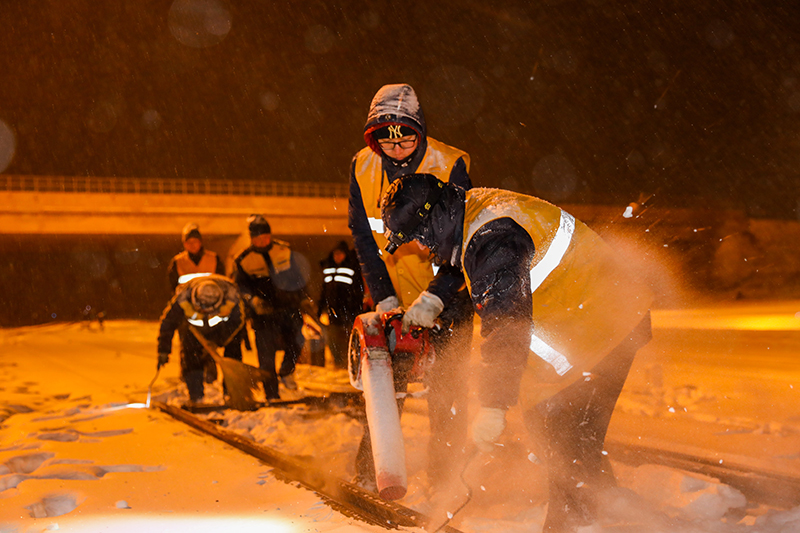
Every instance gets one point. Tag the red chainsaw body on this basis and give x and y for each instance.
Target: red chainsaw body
(389, 338)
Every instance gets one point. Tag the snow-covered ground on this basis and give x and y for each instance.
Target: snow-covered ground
(75, 456)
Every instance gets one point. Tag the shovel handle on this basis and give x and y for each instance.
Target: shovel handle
(150, 387)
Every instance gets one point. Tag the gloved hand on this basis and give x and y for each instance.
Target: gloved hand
(489, 423)
(422, 312)
(372, 322)
(260, 306)
(163, 359)
(387, 304)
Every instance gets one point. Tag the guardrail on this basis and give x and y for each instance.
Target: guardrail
(68, 184)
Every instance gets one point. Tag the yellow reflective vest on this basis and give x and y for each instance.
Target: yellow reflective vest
(255, 266)
(187, 269)
(585, 300)
(409, 267)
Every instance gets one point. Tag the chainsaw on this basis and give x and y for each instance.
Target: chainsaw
(378, 357)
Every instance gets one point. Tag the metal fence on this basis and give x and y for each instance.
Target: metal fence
(69, 184)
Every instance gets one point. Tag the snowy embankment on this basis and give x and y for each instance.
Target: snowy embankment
(71, 461)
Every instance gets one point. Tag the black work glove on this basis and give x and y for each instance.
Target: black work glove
(163, 359)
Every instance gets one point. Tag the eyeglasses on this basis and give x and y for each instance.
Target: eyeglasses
(404, 144)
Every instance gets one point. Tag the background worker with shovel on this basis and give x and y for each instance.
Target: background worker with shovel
(205, 309)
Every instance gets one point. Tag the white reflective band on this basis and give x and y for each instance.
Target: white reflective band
(555, 253)
(550, 355)
(329, 271)
(376, 225)
(328, 279)
(343, 270)
(435, 269)
(213, 321)
(343, 279)
(187, 277)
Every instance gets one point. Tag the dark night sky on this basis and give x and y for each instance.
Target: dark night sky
(573, 101)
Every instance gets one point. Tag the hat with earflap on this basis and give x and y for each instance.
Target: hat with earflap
(407, 203)
(207, 296)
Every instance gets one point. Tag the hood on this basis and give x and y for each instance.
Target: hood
(394, 104)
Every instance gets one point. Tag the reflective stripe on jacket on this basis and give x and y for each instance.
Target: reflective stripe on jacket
(585, 301)
(409, 267)
(229, 318)
(344, 275)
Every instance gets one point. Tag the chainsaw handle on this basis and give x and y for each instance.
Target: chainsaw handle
(388, 319)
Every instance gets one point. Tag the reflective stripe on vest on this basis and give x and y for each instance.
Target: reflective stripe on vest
(552, 258)
(213, 321)
(345, 270)
(555, 253)
(187, 277)
(376, 225)
(550, 355)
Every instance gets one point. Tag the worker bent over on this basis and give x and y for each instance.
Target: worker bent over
(209, 307)
(561, 319)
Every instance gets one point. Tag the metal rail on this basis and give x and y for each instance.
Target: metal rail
(84, 185)
(345, 497)
(758, 485)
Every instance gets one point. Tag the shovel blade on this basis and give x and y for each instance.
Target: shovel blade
(240, 380)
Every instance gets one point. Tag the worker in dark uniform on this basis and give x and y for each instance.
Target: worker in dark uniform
(341, 299)
(196, 261)
(209, 307)
(272, 284)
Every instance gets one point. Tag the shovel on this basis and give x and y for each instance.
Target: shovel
(240, 378)
(150, 388)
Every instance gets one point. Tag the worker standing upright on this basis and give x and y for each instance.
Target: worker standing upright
(398, 144)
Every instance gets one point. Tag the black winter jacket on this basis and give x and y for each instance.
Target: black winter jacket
(448, 280)
(342, 289)
(497, 261)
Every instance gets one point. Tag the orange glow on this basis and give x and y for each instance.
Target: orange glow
(667, 319)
